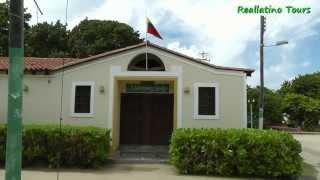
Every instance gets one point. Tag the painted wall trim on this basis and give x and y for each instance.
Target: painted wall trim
(73, 92)
(116, 72)
(178, 70)
(113, 71)
(196, 101)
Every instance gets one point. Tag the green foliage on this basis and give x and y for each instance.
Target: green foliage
(92, 37)
(3, 30)
(285, 88)
(302, 110)
(47, 40)
(247, 152)
(307, 85)
(272, 105)
(82, 147)
(4, 25)
(302, 100)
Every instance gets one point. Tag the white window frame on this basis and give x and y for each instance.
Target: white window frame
(73, 97)
(196, 101)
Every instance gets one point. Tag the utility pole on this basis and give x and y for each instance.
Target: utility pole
(16, 68)
(251, 101)
(261, 105)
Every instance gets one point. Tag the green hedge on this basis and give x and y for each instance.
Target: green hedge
(83, 147)
(247, 152)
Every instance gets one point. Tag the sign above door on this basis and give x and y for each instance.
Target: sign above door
(147, 88)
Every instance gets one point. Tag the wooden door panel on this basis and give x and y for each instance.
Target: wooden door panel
(131, 118)
(162, 118)
(146, 118)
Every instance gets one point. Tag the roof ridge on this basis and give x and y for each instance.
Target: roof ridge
(78, 61)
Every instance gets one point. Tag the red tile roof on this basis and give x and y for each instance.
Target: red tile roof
(55, 64)
(39, 64)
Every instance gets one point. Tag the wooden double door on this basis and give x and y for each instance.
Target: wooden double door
(146, 119)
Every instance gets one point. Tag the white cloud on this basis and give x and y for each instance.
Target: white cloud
(305, 64)
(190, 51)
(213, 26)
(275, 74)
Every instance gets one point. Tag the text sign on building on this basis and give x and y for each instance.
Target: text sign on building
(147, 88)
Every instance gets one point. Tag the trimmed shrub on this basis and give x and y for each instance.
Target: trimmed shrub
(244, 152)
(83, 147)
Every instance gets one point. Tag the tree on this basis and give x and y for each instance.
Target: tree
(272, 105)
(303, 111)
(88, 38)
(4, 24)
(47, 40)
(285, 88)
(308, 85)
(301, 100)
(92, 37)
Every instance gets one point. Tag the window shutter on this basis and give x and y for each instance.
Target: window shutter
(206, 101)
(82, 99)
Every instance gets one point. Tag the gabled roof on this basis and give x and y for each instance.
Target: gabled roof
(55, 64)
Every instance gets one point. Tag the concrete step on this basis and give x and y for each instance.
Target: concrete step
(144, 148)
(140, 160)
(142, 154)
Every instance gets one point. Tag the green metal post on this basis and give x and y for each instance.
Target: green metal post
(16, 68)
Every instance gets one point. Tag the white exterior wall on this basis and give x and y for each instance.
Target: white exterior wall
(42, 101)
(3, 97)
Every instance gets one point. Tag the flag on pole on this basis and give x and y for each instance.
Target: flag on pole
(152, 30)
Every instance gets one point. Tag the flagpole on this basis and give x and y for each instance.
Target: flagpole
(146, 42)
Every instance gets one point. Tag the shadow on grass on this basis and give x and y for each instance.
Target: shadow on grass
(309, 172)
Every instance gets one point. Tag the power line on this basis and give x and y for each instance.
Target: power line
(61, 101)
(67, 5)
(38, 8)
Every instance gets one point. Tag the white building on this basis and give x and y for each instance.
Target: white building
(140, 101)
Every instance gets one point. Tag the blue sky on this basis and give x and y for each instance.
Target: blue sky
(214, 26)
